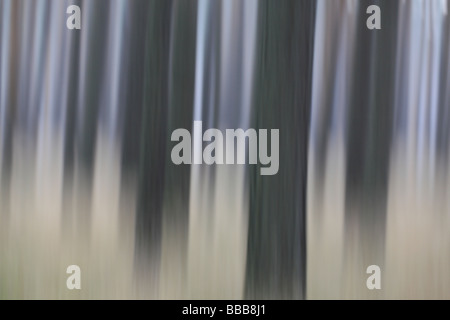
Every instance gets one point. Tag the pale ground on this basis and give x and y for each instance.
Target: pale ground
(35, 248)
(417, 248)
(36, 245)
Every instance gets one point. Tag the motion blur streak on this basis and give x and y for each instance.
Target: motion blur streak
(86, 176)
(378, 156)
